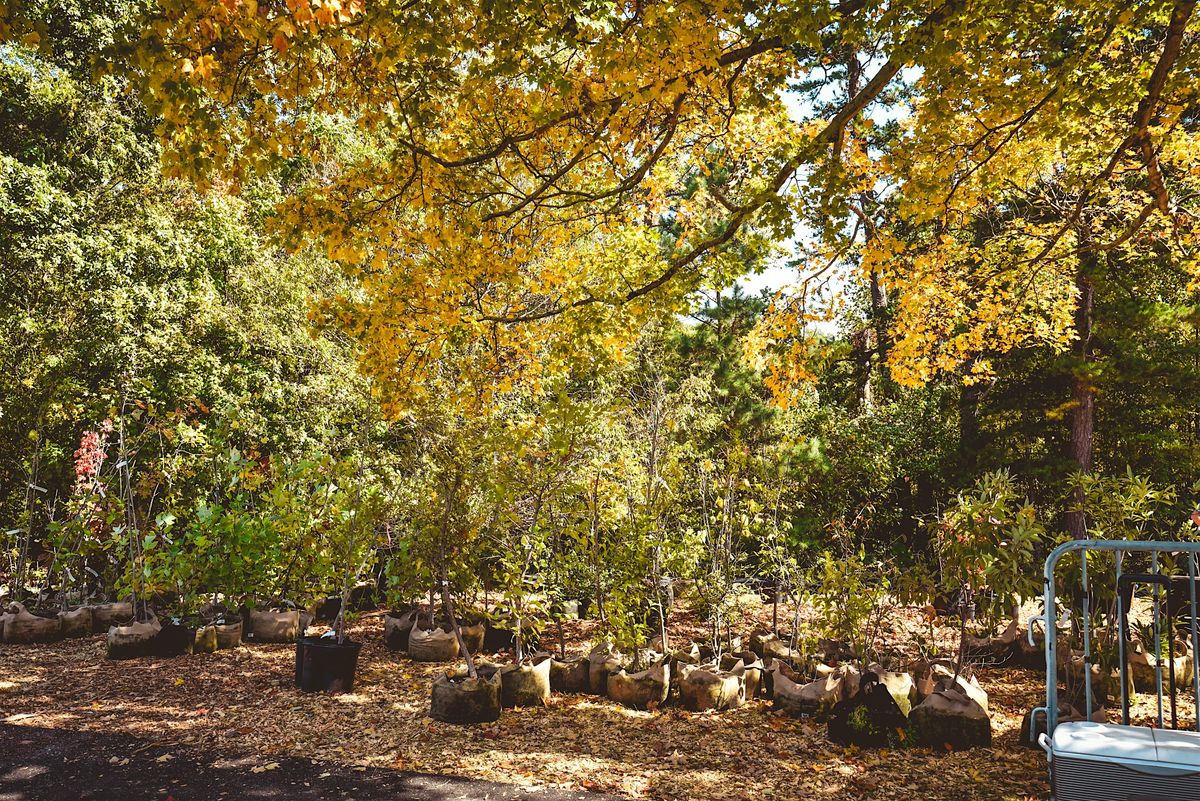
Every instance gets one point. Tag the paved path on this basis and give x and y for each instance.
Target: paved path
(38, 764)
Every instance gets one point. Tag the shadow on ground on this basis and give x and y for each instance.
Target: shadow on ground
(39, 764)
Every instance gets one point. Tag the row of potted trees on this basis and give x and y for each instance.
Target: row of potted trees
(866, 706)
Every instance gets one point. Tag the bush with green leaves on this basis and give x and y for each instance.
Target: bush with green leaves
(852, 595)
(279, 530)
(1128, 507)
(986, 541)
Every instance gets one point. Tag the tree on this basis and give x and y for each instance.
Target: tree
(535, 445)
(137, 300)
(731, 427)
(514, 177)
(1006, 244)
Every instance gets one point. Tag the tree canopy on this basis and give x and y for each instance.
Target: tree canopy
(541, 178)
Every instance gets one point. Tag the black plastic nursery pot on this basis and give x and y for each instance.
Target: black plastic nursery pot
(175, 639)
(299, 658)
(325, 666)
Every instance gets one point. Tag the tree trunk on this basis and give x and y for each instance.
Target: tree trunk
(519, 645)
(1083, 399)
(962, 645)
(863, 342)
(447, 603)
(969, 439)
(792, 640)
(879, 321)
(869, 342)
(662, 623)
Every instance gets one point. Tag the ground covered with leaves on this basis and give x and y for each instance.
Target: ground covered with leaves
(243, 701)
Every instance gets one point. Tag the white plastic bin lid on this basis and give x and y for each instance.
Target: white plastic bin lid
(1087, 739)
(1165, 747)
(1178, 747)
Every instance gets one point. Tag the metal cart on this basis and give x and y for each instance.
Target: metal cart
(1092, 761)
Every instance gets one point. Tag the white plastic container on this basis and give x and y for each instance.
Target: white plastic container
(1107, 762)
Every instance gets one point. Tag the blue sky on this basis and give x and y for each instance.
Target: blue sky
(780, 274)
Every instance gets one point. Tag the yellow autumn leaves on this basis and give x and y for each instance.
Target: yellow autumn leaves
(521, 186)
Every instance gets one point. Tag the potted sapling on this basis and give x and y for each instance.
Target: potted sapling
(404, 571)
(175, 561)
(527, 681)
(473, 695)
(328, 663)
(137, 637)
(534, 476)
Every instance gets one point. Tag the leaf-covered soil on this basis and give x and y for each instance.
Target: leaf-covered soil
(47, 764)
(243, 701)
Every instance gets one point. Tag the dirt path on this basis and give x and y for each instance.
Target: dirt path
(38, 764)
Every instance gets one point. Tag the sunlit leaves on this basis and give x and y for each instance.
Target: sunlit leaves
(497, 145)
